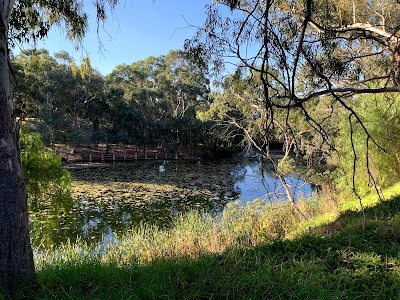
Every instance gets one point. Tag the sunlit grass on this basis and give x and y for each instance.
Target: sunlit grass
(335, 208)
(371, 199)
(194, 233)
(253, 251)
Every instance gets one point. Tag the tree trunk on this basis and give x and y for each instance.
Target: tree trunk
(95, 130)
(16, 258)
(75, 125)
(290, 197)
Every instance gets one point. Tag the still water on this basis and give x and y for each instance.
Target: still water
(112, 198)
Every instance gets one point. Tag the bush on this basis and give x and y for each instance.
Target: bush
(380, 116)
(47, 183)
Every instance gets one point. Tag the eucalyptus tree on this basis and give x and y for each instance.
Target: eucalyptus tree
(57, 91)
(45, 86)
(87, 95)
(23, 20)
(304, 53)
(161, 93)
(182, 82)
(139, 108)
(183, 86)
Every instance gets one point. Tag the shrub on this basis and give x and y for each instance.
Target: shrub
(46, 181)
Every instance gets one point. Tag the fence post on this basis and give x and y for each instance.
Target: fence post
(113, 155)
(90, 155)
(136, 155)
(102, 155)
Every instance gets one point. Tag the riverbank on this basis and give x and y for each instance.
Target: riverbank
(110, 199)
(256, 251)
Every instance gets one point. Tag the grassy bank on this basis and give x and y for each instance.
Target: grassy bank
(254, 252)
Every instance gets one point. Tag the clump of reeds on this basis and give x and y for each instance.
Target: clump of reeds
(194, 233)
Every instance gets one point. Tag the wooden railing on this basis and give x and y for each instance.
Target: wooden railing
(115, 153)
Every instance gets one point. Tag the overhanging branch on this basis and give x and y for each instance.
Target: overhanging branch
(350, 90)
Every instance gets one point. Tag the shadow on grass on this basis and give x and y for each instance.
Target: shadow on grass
(335, 261)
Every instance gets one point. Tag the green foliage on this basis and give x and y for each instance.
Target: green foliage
(47, 183)
(48, 186)
(236, 107)
(31, 20)
(376, 157)
(160, 95)
(149, 102)
(286, 166)
(57, 92)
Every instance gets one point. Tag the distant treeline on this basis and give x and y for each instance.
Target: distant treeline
(148, 103)
(167, 101)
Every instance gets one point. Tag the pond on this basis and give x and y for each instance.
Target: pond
(112, 198)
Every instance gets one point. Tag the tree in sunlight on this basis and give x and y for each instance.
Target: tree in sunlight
(299, 55)
(21, 21)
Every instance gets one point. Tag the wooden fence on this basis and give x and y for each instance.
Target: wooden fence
(116, 153)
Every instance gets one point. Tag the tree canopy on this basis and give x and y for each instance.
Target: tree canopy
(151, 102)
(298, 55)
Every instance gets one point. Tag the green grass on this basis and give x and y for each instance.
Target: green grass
(243, 255)
(372, 198)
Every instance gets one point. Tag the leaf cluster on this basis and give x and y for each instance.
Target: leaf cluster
(32, 19)
(47, 183)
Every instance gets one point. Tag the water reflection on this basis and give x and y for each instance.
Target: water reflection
(112, 198)
(259, 182)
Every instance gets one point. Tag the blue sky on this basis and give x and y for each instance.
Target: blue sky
(136, 30)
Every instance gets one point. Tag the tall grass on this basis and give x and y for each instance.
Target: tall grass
(194, 233)
(253, 251)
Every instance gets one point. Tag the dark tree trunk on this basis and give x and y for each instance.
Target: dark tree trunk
(95, 130)
(16, 258)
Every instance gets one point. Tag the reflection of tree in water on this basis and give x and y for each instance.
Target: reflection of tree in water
(118, 197)
(114, 198)
(52, 224)
(260, 175)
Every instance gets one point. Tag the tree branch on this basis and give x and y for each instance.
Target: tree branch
(364, 27)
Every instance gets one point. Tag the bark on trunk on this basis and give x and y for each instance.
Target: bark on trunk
(16, 259)
(290, 197)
